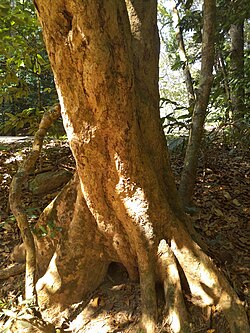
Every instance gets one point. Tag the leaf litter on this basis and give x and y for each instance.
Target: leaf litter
(222, 196)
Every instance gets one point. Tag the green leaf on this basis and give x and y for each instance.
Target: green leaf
(184, 116)
(44, 231)
(4, 147)
(170, 118)
(40, 59)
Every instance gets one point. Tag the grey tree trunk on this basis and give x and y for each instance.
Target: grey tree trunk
(237, 72)
(222, 67)
(188, 176)
(184, 59)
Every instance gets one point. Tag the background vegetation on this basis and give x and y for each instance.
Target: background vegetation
(27, 87)
(26, 80)
(228, 107)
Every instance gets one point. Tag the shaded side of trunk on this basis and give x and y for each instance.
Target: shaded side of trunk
(142, 16)
(188, 176)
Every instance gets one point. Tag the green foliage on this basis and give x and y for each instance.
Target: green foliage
(50, 230)
(179, 119)
(226, 80)
(229, 80)
(190, 25)
(175, 112)
(26, 80)
(26, 119)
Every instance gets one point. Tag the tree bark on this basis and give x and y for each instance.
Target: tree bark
(188, 176)
(222, 67)
(122, 204)
(237, 71)
(184, 60)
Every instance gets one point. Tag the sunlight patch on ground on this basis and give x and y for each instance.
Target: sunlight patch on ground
(89, 324)
(13, 139)
(13, 159)
(96, 326)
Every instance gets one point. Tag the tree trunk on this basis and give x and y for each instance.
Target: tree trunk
(122, 204)
(237, 71)
(222, 67)
(184, 60)
(188, 176)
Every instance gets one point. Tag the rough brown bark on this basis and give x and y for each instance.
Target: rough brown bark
(142, 16)
(188, 176)
(122, 204)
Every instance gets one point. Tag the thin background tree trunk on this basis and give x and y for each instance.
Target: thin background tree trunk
(237, 71)
(188, 176)
(184, 59)
(222, 67)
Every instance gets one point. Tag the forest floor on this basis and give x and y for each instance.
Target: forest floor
(222, 218)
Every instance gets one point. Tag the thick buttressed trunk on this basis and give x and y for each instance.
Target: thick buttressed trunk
(122, 204)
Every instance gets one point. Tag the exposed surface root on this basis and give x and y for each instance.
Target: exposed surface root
(206, 282)
(12, 271)
(175, 310)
